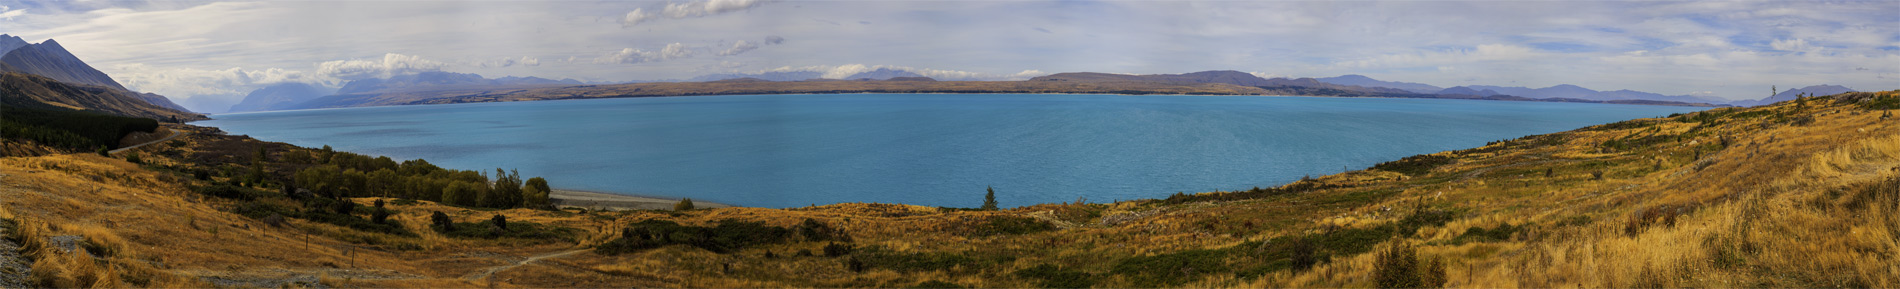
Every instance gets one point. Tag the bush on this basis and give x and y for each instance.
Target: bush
(1051, 276)
(1171, 269)
(685, 204)
(989, 199)
(814, 231)
(441, 222)
(727, 236)
(1414, 165)
(1011, 225)
(517, 229)
(1398, 267)
(836, 249)
(942, 284)
(879, 257)
(228, 191)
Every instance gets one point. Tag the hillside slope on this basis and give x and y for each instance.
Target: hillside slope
(1796, 194)
(33, 90)
(51, 60)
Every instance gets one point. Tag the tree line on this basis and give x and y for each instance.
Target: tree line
(345, 175)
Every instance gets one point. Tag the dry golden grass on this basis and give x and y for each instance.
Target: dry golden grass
(1781, 205)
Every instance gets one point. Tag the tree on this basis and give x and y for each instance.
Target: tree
(499, 221)
(685, 204)
(507, 189)
(441, 221)
(534, 194)
(459, 193)
(989, 200)
(104, 152)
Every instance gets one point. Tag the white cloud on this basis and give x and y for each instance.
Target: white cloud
(739, 47)
(708, 7)
(689, 9)
(1794, 45)
(187, 83)
(8, 13)
(630, 55)
(528, 61)
(391, 64)
(637, 16)
(1433, 58)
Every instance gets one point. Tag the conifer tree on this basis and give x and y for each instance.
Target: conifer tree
(989, 200)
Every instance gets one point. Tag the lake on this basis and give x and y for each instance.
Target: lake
(924, 149)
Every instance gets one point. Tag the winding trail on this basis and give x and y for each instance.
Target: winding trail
(492, 270)
(175, 133)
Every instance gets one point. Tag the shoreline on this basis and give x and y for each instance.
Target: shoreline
(563, 198)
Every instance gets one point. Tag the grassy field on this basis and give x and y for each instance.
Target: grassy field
(1797, 194)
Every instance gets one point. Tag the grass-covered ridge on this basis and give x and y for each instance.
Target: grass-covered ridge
(1796, 194)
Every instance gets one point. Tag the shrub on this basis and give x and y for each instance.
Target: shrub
(133, 158)
(1011, 225)
(1171, 269)
(1414, 165)
(942, 284)
(1398, 267)
(879, 257)
(499, 221)
(813, 231)
(229, 191)
(441, 222)
(1051, 276)
(727, 236)
(836, 249)
(516, 229)
(274, 220)
(685, 204)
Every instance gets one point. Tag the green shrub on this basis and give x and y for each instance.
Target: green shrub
(685, 204)
(228, 191)
(1050, 276)
(1399, 267)
(1011, 225)
(941, 284)
(727, 236)
(517, 229)
(837, 249)
(879, 257)
(1414, 165)
(1172, 269)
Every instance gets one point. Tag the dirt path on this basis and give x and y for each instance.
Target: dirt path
(175, 133)
(492, 270)
(13, 268)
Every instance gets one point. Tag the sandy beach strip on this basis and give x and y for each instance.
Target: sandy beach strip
(596, 200)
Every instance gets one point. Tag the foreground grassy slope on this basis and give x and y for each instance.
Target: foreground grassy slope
(1797, 194)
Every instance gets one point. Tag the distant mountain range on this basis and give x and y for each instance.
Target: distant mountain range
(47, 76)
(1566, 91)
(1361, 80)
(279, 96)
(1817, 90)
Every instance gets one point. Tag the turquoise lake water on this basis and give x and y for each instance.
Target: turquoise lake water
(925, 149)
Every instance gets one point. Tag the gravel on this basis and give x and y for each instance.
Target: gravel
(13, 268)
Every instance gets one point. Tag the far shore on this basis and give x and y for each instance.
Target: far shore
(596, 200)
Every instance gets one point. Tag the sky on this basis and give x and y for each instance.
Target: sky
(207, 55)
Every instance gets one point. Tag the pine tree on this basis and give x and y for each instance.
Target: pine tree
(989, 200)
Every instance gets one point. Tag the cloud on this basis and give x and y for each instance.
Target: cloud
(186, 82)
(630, 55)
(8, 13)
(391, 64)
(774, 40)
(739, 47)
(689, 9)
(1794, 45)
(1433, 58)
(509, 61)
(637, 16)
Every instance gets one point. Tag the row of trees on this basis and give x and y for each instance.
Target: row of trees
(345, 174)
